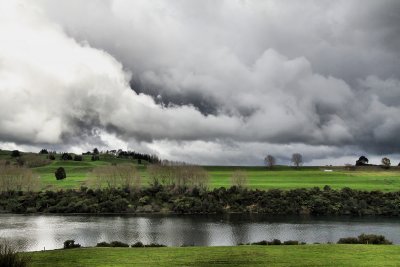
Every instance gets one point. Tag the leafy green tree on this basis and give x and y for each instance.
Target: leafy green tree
(78, 158)
(60, 173)
(15, 154)
(44, 151)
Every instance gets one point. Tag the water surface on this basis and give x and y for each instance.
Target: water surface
(36, 232)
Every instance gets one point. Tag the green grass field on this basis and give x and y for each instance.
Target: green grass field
(78, 174)
(307, 255)
(281, 177)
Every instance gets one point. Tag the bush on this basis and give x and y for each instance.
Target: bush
(373, 239)
(52, 157)
(15, 154)
(154, 245)
(291, 242)
(66, 156)
(103, 244)
(60, 173)
(137, 245)
(71, 244)
(95, 157)
(348, 240)
(275, 242)
(10, 258)
(365, 239)
(260, 243)
(44, 151)
(151, 245)
(119, 244)
(78, 158)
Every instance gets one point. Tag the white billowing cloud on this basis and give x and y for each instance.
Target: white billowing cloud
(54, 89)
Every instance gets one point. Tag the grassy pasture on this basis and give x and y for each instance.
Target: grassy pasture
(307, 255)
(78, 174)
(306, 177)
(280, 177)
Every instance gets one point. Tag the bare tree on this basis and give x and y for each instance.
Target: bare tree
(161, 174)
(386, 162)
(17, 178)
(297, 159)
(270, 161)
(180, 176)
(114, 176)
(239, 178)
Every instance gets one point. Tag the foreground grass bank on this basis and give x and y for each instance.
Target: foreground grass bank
(307, 255)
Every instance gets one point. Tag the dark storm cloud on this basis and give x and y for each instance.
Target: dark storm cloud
(310, 75)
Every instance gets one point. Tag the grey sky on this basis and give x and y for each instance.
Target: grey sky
(223, 82)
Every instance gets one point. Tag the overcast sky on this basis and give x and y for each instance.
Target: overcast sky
(207, 82)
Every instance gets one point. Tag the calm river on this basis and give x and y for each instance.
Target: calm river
(34, 232)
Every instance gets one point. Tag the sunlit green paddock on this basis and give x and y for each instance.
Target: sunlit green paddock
(280, 177)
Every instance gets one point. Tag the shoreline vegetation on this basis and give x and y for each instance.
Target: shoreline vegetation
(199, 200)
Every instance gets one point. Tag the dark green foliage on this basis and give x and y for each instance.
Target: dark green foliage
(348, 240)
(52, 157)
(198, 200)
(71, 244)
(151, 245)
(78, 158)
(154, 245)
(365, 239)
(291, 242)
(373, 239)
(118, 244)
(137, 245)
(15, 154)
(95, 157)
(362, 161)
(66, 156)
(103, 244)
(276, 242)
(9, 257)
(139, 156)
(44, 151)
(60, 173)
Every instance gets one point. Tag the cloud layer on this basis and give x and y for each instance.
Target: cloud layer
(240, 78)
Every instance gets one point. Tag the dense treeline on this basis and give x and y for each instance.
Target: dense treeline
(158, 198)
(138, 156)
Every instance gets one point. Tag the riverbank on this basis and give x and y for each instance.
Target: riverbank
(306, 255)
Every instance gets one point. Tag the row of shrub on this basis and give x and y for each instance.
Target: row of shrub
(371, 239)
(124, 245)
(195, 200)
(365, 239)
(361, 239)
(276, 242)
